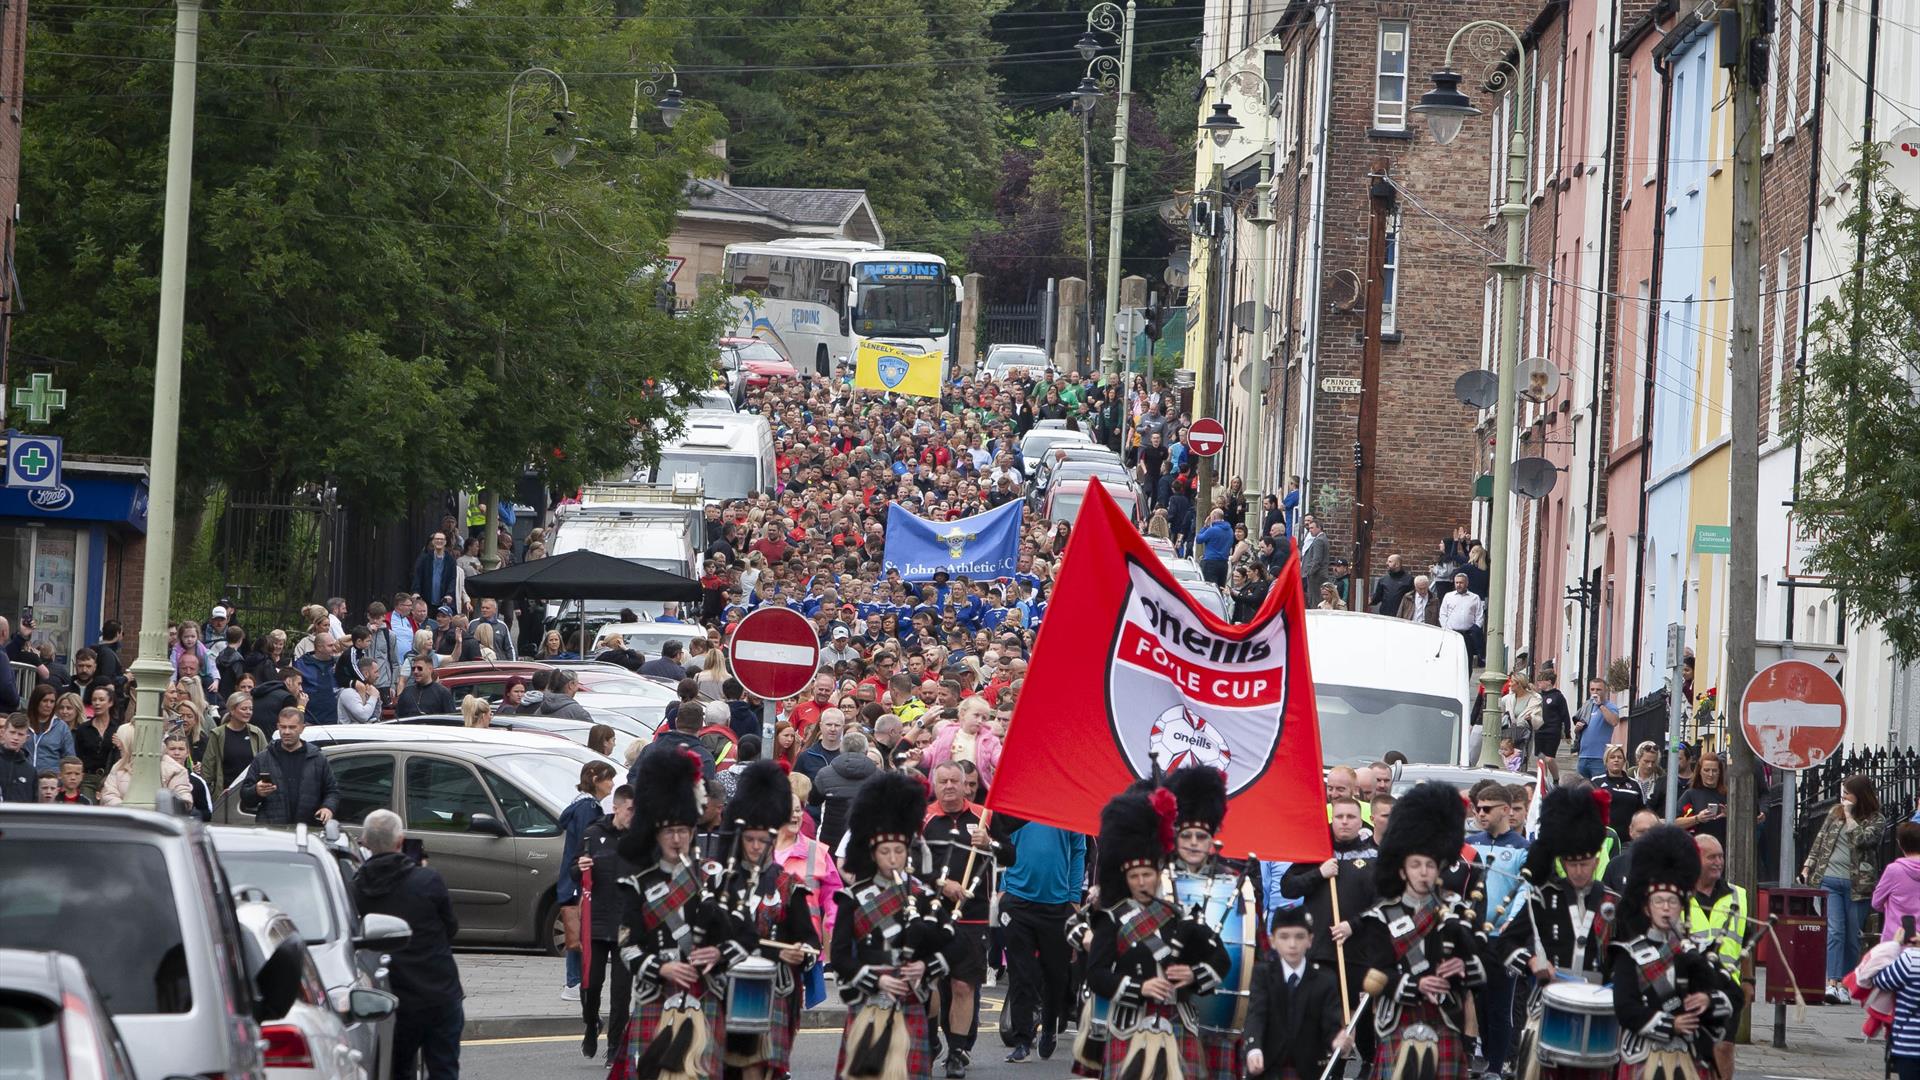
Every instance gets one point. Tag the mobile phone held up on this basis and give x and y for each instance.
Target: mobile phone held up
(414, 850)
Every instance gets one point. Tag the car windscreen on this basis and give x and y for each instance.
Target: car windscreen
(110, 904)
(555, 776)
(1364, 722)
(1002, 359)
(292, 883)
(722, 476)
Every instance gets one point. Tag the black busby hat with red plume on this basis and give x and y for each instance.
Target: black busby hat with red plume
(1136, 829)
(667, 790)
(1201, 792)
(1429, 820)
(1573, 824)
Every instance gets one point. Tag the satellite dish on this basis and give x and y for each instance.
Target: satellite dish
(1243, 316)
(1478, 388)
(1533, 477)
(1538, 380)
(1902, 155)
(1245, 378)
(1175, 275)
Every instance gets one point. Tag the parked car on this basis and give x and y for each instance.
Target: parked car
(1043, 437)
(647, 638)
(560, 727)
(750, 364)
(603, 687)
(309, 1041)
(485, 804)
(141, 900)
(309, 875)
(1005, 360)
(53, 1025)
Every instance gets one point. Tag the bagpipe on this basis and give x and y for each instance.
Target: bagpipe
(878, 1040)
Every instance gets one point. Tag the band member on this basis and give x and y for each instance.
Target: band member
(1420, 945)
(1146, 959)
(1566, 924)
(1673, 1002)
(964, 856)
(892, 938)
(676, 942)
(1209, 887)
(775, 902)
(1293, 1012)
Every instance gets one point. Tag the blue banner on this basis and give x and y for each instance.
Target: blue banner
(980, 547)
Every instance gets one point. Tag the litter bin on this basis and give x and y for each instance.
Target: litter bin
(1800, 922)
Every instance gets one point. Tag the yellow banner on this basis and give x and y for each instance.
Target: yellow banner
(879, 366)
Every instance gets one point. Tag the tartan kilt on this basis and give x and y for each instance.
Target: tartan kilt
(1225, 1054)
(919, 1040)
(1193, 1060)
(1452, 1049)
(780, 1028)
(646, 1021)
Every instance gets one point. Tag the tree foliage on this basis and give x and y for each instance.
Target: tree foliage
(1859, 496)
(358, 259)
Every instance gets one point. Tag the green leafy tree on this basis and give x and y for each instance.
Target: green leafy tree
(1853, 414)
(359, 262)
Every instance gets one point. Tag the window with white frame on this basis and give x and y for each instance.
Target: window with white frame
(1390, 275)
(1650, 136)
(1796, 17)
(1784, 307)
(1390, 82)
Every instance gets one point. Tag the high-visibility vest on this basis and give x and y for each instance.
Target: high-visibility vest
(1728, 913)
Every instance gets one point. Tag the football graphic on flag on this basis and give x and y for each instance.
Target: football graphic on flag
(1180, 738)
(1183, 690)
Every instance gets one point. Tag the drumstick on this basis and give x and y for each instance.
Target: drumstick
(1339, 947)
(966, 875)
(1337, 1055)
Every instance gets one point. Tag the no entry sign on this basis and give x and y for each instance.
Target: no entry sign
(775, 653)
(1793, 714)
(1206, 437)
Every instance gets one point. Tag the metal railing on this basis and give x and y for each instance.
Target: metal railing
(1895, 773)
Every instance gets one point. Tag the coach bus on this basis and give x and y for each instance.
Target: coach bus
(818, 299)
(1389, 684)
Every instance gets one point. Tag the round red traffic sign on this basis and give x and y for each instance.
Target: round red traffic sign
(1793, 714)
(1206, 436)
(774, 653)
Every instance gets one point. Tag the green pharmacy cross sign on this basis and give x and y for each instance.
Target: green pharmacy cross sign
(39, 398)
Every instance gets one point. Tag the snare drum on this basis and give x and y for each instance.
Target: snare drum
(1090, 1035)
(1577, 1026)
(750, 996)
(1224, 1009)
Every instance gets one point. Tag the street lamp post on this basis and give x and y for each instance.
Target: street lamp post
(1502, 54)
(153, 668)
(1110, 19)
(1086, 99)
(1221, 126)
(562, 154)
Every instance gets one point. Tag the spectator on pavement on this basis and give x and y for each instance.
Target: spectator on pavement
(669, 664)
(113, 789)
(290, 783)
(425, 694)
(50, 739)
(318, 680)
(559, 701)
(423, 973)
(233, 746)
(834, 786)
(18, 778)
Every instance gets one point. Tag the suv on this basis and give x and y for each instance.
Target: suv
(310, 877)
(140, 899)
(485, 805)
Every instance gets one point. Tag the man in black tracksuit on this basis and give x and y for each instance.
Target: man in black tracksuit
(600, 852)
(290, 782)
(425, 977)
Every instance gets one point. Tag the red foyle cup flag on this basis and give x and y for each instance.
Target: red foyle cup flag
(1129, 671)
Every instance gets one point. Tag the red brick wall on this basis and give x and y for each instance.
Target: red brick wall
(1425, 457)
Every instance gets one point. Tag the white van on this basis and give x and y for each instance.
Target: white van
(732, 453)
(660, 542)
(1389, 684)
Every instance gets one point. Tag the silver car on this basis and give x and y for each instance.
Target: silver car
(141, 900)
(485, 805)
(309, 877)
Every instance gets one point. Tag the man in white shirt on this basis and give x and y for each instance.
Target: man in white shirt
(1464, 612)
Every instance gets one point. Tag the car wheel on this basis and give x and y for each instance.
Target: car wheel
(555, 940)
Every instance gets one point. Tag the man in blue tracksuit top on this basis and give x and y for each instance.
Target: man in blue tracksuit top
(1216, 543)
(1047, 879)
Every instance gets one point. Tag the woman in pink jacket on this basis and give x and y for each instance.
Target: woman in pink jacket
(808, 859)
(971, 738)
(1898, 892)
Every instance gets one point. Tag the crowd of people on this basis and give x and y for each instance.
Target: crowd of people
(855, 844)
